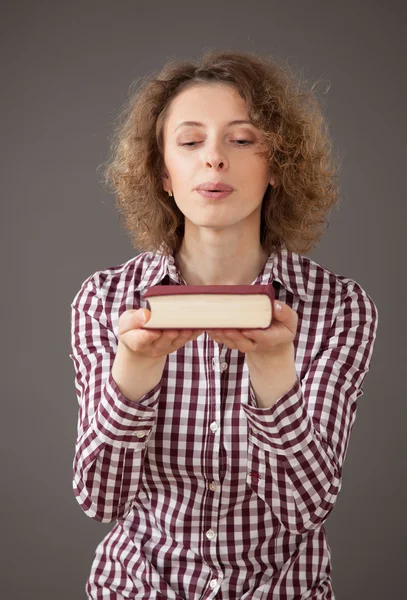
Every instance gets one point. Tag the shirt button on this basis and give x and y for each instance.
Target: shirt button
(140, 434)
(214, 426)
(213, 583)
(210, 534)
(224, 366)
(212, 486)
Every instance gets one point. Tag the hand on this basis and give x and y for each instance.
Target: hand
(151, 343)
(275, 340)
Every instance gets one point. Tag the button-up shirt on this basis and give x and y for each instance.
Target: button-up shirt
(211, 495)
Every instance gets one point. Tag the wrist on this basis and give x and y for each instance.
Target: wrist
(272, 376)
(136, 375)
(279, 358)
(129, 357)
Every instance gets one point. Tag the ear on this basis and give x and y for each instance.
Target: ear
(274, 180)
(166, 180)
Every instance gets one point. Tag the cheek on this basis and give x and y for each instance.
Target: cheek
(182, 171)
(185, 202)
(255, 165)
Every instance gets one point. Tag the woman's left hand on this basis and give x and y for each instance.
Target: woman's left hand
(272, 341)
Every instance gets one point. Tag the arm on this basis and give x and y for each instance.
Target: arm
(272, 378)
(297, 444)
(113, 430)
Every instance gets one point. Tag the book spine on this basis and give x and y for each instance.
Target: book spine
(269, 291)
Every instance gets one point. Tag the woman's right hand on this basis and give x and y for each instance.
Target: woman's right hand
(149, 343)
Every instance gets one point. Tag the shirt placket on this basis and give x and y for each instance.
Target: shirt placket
(217, 367)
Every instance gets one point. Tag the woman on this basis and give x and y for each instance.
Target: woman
(218, 454)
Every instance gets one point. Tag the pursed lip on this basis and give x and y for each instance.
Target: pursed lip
(218, 186)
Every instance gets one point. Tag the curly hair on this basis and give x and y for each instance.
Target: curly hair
(297, 146)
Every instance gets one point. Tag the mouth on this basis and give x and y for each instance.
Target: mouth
(217, 194)
(215, 186)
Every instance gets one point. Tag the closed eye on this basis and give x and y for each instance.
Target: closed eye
(239, 143)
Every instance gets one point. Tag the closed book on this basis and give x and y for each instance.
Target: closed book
(210, 306)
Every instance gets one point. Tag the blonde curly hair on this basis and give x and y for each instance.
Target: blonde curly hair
(297, 147)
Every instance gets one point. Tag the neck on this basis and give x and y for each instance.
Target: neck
(220, 263)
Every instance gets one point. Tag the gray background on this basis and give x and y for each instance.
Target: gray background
(66, 71)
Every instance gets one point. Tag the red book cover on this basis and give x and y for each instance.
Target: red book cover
(169, 290)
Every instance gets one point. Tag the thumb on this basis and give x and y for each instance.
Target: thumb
(144, 315)
(286, 315)
(278, 309)
(133, 319)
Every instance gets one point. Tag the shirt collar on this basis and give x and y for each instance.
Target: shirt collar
(283, 266)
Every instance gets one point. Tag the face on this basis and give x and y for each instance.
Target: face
(214, 151)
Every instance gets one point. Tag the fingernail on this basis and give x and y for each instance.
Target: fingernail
(279, 306)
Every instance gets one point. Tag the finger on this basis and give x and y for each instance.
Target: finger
(133, 319)
(251, 335)
(230, 341)
(175, 339)
(218, 338)
(168, 339)
(189, 334)
(242, 342)
(285, 315)
(138, 340)
(197, 334)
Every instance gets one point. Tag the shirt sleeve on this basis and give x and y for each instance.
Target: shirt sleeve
(112, 431)
(297, 447)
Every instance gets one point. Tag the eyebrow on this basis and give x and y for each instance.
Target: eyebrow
(198, 124)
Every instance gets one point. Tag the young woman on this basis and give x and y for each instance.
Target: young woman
(218, 454)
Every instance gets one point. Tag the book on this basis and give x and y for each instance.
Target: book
(210, 306)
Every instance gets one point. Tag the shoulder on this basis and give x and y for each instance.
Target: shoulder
(325, 286)
(121, 279)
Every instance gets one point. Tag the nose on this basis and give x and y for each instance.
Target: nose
(217, 163)
(216, 158)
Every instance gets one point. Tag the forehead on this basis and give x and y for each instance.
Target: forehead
(207, 101)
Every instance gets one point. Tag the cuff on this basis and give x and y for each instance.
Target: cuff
(122, 423)
(284, 427)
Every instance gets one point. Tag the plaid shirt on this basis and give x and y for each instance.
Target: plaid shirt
(211, 495)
